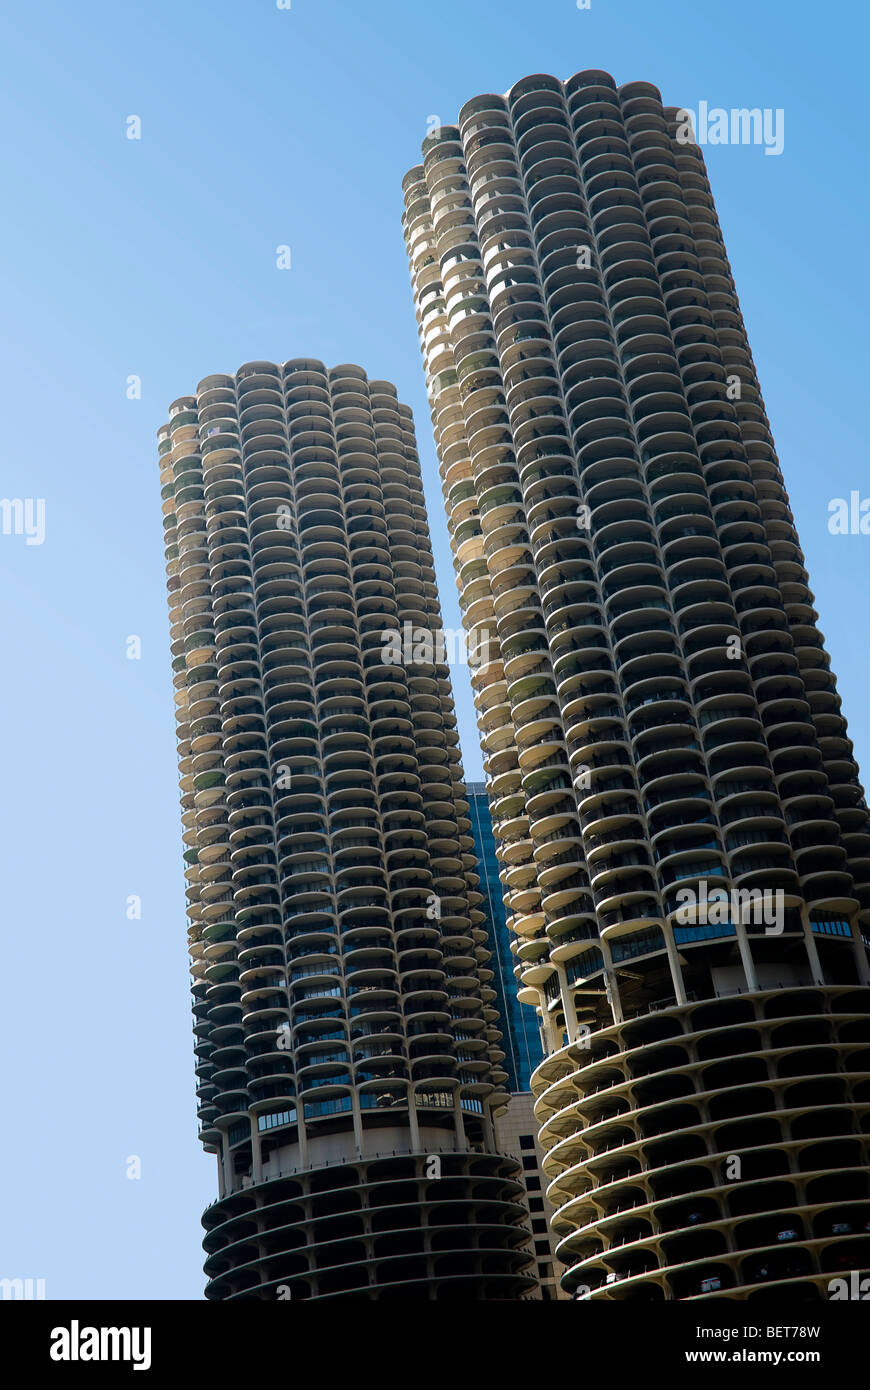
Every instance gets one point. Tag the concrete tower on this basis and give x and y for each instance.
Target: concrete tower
(347, 1060)
(683, 837)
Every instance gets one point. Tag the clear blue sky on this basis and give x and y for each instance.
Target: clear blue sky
(263, 127)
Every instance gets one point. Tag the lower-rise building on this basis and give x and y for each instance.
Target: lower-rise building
(516, 1132)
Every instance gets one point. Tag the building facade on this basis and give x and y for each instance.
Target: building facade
(516, 1132)
(682, 833)
(518, 1023)
(348, 1060)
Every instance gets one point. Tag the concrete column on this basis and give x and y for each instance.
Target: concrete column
(812, 949)
(488, 1128)
(567, 1001)
(256, 1152)
(613, 995)
(413, 1122)
(674, 963)
(303, 1135)
(746, 956)
(459, 1123)
(357, 1121)
(860, 953)
(226, 1164)
(549, 1032)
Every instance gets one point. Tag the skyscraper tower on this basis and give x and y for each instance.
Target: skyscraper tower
(347, 1060)
(683, 837)
(518, 1025)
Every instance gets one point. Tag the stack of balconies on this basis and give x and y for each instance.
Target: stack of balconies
(339, 964)
(657, 711)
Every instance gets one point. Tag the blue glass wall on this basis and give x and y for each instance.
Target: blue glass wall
(518, 1022)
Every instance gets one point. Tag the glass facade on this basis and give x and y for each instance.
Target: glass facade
(521, 1037)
